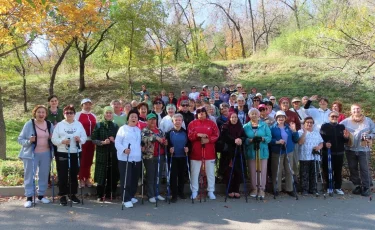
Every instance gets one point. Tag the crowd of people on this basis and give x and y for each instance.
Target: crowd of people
(224, 132)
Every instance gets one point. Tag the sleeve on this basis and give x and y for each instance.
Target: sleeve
(268, 136)
(24, 137)
(225, 135)
(192, 133)
(120, 143)
(214, 133)
(295, 137)
(300, 132)
(273, 139)
(76, 117)
(168, 138)
(95, 136)
(307, 105)
(56, 139)
(82, 134)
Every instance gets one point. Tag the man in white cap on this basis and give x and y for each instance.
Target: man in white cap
(296, 107)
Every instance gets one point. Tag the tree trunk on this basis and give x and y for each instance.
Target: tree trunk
(130, 60)
(24, 94)
(56, 67)
(107, 74)
(2, 130)
(82, 61)
(252, 28)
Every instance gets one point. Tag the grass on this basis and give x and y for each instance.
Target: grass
(286, 76)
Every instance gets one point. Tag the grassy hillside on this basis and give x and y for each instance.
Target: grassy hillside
(285, 76)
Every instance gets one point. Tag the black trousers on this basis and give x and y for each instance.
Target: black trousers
(337, 160)
(134, 169)
(63, 172)
(110, 181)
(307, 175)
(178, 170)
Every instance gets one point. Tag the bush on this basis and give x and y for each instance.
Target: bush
(12, 173)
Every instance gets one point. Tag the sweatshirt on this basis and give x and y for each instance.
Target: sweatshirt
(128, 135)
(356, 130)
(65, 130)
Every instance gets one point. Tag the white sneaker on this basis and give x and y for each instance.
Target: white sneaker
(134, 200)
(339, 192)
(128, 204)
(161, 198)
(27, 204)
(43, 200)
(194, 195)
(152, 200)
(211, 195)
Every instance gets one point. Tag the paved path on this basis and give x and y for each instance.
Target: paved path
(347, 212)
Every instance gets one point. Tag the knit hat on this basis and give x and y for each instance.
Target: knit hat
(108, 108)
(284, 99)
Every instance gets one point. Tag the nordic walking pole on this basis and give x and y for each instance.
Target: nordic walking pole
(79, 166)
(34, 180)
(368, 152)
(258, 169)
(243, 176)
(231, 173)
(143, 173)
(106, 177)
(111, 166)
(330, 187)
(293, 179)
(69, 176)
(157, 178)
(316, 176)
(321, 178)
(168, 174)
(53, 182)
(126, 175)
(188, 167)
(277, 176)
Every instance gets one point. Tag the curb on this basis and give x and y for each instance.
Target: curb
(6, 191)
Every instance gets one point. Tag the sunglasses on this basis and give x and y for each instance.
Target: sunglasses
(184, 105)
(334, 116)
(158, 103)
(69, 113)
(272, 99)
(239, 87)
(202, 110)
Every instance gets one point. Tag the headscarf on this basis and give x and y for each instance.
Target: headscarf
(234, 130)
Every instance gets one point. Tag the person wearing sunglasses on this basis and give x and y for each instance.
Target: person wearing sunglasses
(186, 114)
(256, 102)
(158, 110)
(335, 137)
(309, 141)
(69, 135)
(361, 133)
(276, 106)
(182, 98)
(203, 133)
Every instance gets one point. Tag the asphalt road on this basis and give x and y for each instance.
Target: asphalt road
(347, 212)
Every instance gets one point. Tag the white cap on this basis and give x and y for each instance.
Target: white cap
(85, 100)
(258, 94)
(204, 86)
(280, 113)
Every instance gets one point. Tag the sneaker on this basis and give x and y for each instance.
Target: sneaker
(81, 184)
(43, 200)
(305, 193)
(128, 204)
(152, 200)
(194, 195)
(211, 195)
(261, 194)
(174, 199)
(27, 204)
(253, 193)
(74, 199)
(366, 192)
(339, 192)
(99, 199)
(63, 201)
(357, 190)
(161, 198)
(134, 200)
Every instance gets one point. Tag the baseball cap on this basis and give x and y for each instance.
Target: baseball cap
(85, 101)
(151, 116)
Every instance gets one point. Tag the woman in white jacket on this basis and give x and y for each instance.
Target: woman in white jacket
(128, 145)
(68, 136)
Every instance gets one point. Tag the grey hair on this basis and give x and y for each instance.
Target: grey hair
(114, 101)
(170, 106)
(253, 110)
(177, 115)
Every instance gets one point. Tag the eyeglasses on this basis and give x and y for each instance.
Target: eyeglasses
(158, 103)
(334, 116)
(69, 113)
(256, 100)
(261, 110)
(309, 122)
(239, 87)
(184, 105)
(202, 110)
(272, 99)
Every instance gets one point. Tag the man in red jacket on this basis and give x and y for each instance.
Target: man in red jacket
(203, 133)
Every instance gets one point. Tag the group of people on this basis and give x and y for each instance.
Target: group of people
(199, 131)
